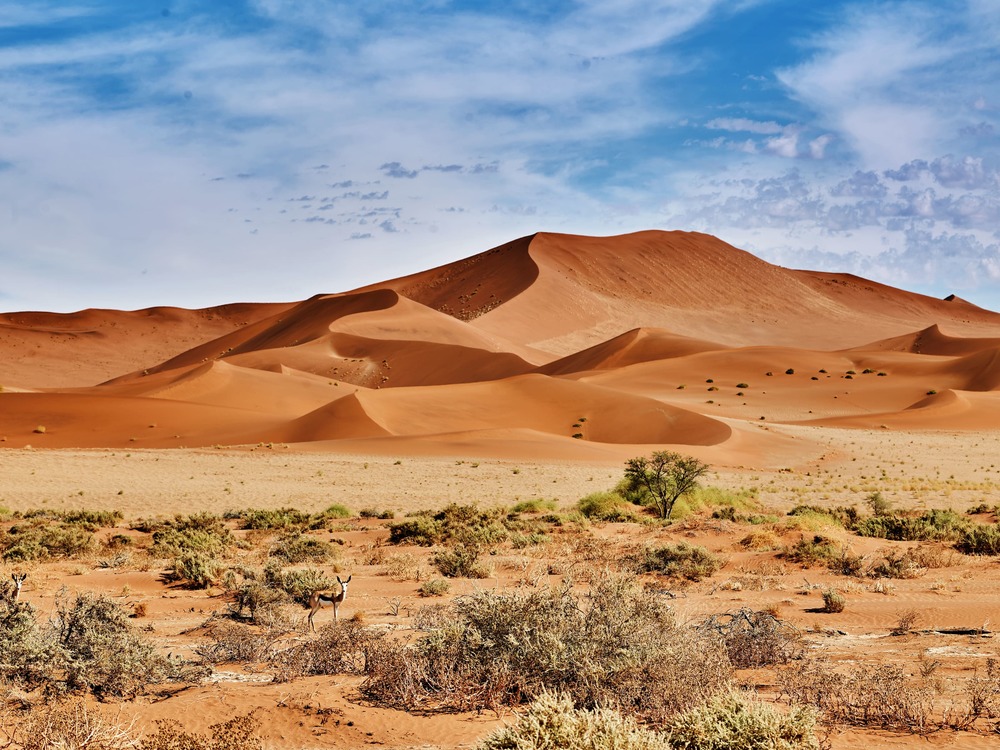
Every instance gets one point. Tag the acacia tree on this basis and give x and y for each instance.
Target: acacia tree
(666, 476)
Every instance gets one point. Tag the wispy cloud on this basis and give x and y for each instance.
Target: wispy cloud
(145, 155)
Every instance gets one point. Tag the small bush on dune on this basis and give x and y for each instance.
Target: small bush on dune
(619, 648)
(37, 539)
(455, 524)
(979, 540)
(460, 561)
(818, 550)
(727, 721)
(833, 601)
(340, 648)
(297, 548)
(274, 518)
(932, 525)
(338, 511)
(534, 506)
(100, 650)
(755, 639)
(607, 506)
(552, 722)
(195, 570)
(735, 720)
(680, 560)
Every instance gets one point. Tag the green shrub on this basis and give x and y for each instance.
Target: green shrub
(733, 720)
(815, 551)
(932, 525)
(534, 506)
(297, 548)
(606, 506)
(38, 539)
(275, 519)
(460, 561)
(91, 520)
(680, 560)
(420, 530)
(375, 513)
(195, 570)
(434, 587)
(338, 511)
(833, 601)
(466, 524)
(979, 540)
(553, 723)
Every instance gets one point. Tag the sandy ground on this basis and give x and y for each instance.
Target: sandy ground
(915, 470)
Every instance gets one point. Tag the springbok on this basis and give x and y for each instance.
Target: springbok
(318, 598)
(18, 579)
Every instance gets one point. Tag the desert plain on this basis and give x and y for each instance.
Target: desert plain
(523, 377)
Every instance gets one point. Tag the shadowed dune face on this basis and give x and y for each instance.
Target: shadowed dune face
(551, 345)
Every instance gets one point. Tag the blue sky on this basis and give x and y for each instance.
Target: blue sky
(195, 153)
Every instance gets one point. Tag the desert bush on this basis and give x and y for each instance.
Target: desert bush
(252, 596)
(340, 648)
(619, 648)
(979, 540)
(833, 601)
(375, 513)
(839, 516)
(552, 722)
(881, 506)
(298, 548)
(434, 587)
(819, 550)
(273, 518)
(536, 505)
(97, 648)
(239, 733)
(338, 511)
(680, 560)
(64, 725)
(460, 561)
(755, 639)
(237, 642)
(727, 503)
(761, 540)
(38, 539)
(734, 719)
(421, 530)
(455, 524)
(930, 526)
(606, 506)
(194, 570)
(879, 695)
(28, 654)
(205, 533)
(91, 520)
(901, 565)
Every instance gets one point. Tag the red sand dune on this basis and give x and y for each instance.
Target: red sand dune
(564, 345)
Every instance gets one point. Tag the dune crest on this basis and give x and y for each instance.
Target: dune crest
(552, 344)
